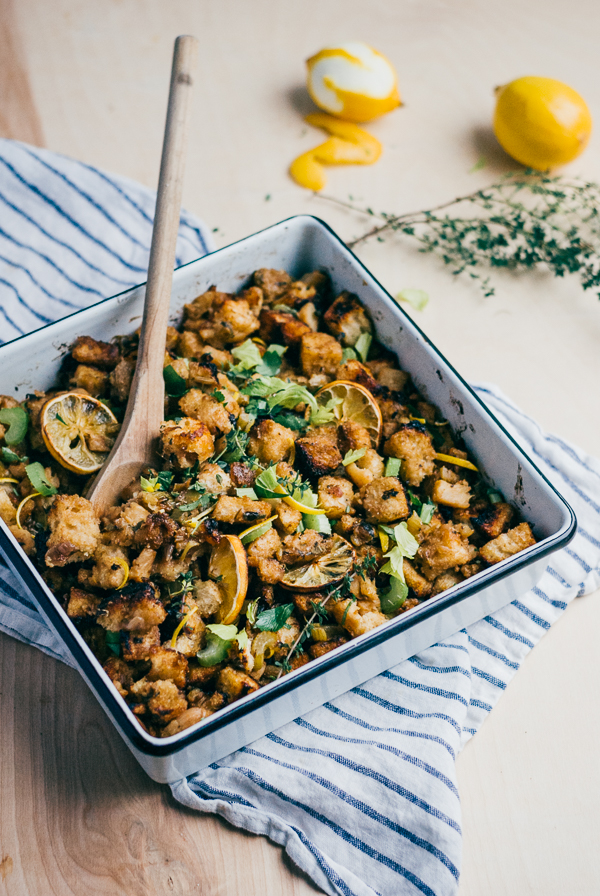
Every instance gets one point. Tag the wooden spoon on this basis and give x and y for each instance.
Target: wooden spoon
(135, 444)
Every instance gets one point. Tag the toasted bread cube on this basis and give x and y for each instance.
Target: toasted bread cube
(8, 511)
(162, 699)
(495, 519)
(136, 608)
(263, 548)
(347, 318)
(119, 673)
(207, 410)
(240, 510)
(356, 372)
(444, 548)
(288, 519)
(98, 354)
(208, 597)
(353, 436)
(94, 381)
(214, 479)
(335, 496)
(357, 617)
(413, 445)
(138, 645)
(282, 327)
(188, 717)
(186, 442)
(320, 353)
(167, 664)
(270, 442)
(233, 684)
(366, 468)
(82, 604)
(120, 380)
(74, 530)
(384, 500)
(317, 454)
(201, 306)
(189, 345)
(393, 379)
(272, 282)
(270, 571)
(108, 571)
(141, 568)
(232, 322)
(415, 580)
(457, 495)
(507, 544)
(323, 647)
(446, 580)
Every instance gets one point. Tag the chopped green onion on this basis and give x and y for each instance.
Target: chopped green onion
(17, 419)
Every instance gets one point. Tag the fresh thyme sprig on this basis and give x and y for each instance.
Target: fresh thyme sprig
(523, 221)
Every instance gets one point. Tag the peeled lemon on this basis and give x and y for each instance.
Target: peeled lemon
(352, 81)
(541, 122)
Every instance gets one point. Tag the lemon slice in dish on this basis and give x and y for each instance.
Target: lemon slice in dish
(329, 569)
(356, 404)
(228, 567)
(78, 431)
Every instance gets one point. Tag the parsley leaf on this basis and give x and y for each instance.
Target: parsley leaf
(273, 620)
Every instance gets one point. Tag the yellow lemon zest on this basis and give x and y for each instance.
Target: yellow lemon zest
(191, 544)
(418, 419)
(384, 540)
(256, 526)
(541, 122)
(448, 458)
(22, 504)
(125, 567)
(181, 625)
(348, 145)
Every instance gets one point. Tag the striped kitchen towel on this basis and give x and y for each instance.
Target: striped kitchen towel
(361, 792)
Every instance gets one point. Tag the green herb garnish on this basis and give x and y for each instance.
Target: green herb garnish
(37, 476)
(274, 619)
(17, 420)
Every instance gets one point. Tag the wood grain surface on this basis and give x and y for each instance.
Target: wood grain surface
(77, 816)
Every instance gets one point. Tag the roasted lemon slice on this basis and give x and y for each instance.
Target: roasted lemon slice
(78, 431)
(329, 569)
(228, 567)
(356, 404)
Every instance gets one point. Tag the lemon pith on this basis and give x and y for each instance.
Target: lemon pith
(541, 122)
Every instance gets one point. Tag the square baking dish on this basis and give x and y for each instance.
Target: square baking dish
(297, 245)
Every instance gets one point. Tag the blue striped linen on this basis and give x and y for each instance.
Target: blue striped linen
(361, 792)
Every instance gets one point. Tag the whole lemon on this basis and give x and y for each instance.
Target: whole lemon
(541, 122)
(352, 81)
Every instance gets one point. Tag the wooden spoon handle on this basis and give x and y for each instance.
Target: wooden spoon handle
(147, 394)
(135, 443)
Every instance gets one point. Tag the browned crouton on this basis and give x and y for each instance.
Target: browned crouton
(214, 479)
(8, 510)
(120, 380)
(507, 544)
(353, 436)
(186, 442)
(74, 531)
(446, 580)
(188, 717)
(288, 519)
(304, 548)
(457, 495)
(384, 500)
(208, 597)
(415, 580)
(141, 568)
(110, 567)
(207, 410)
(335, 496)
(263, 548)
(138, 645)
(242, 474)
(200, 307)
(495, 519)
(233, 684)
(232, 321)
(273, 283)
(317, 454)
(366, 468)
(94, 381)
(347, 318)
(444, 548)
(356, 372)
(119, 673)
(320, 353)
(323, 647)
(270, 442)
(270, 571)
(99, 354)
(282, 327)
(357, 617)
(189, 345)
(388, 375)
(162, 699)
(82, 604)
(136, 608)
(240, 510)
(167, 664)
(155, 530)
(413, 445)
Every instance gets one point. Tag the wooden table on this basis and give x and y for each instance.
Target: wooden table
(89, 78)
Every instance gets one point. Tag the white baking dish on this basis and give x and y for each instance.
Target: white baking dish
(298, 245)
